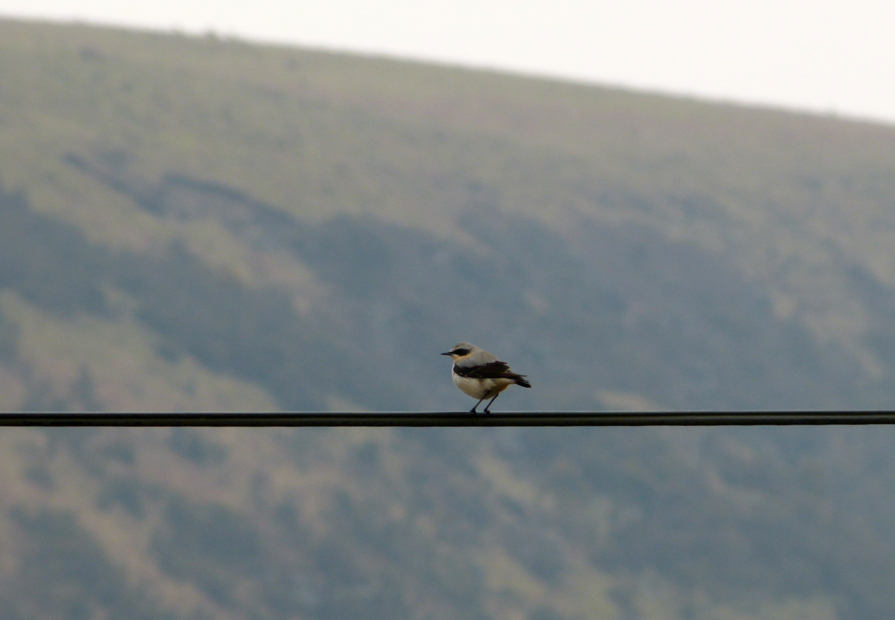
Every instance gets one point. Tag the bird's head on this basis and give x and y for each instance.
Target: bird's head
(460, 350)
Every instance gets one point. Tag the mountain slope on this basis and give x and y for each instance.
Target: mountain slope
(202, 224)
(240, 154)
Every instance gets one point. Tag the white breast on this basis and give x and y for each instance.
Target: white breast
(477, 388)
(480, 388)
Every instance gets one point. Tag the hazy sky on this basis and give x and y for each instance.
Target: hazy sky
(828, 56)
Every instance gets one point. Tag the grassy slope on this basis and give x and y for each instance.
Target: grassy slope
(663, 251)
(794, 205)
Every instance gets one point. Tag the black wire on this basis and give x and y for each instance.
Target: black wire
(434, 419)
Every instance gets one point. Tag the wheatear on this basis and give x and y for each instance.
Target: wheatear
(480, 374)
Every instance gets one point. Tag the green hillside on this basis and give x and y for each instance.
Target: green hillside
(202, 224)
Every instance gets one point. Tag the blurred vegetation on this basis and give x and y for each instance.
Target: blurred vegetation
(202, 224)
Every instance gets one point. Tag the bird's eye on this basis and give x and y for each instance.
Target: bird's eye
(460, 352)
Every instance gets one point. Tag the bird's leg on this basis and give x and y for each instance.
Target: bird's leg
(488, 406)
(473, 410)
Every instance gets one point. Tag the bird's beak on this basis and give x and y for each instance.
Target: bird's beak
(448, 353)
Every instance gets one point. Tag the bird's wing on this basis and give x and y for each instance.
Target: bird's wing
(490, 370)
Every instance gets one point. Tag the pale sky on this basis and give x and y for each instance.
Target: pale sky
(825, 56)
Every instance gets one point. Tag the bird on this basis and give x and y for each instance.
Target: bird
(480, 374)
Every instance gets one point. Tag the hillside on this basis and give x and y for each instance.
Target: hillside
(202, 224)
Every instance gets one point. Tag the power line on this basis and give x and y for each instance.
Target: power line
(452, 419)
